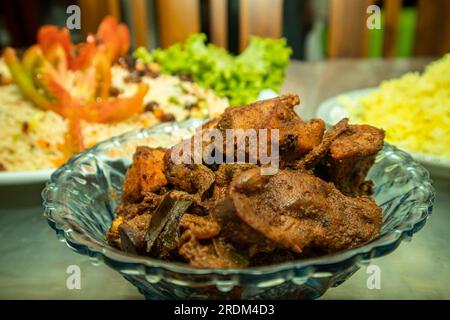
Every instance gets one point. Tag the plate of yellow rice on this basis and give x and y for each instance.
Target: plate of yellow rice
(414, 110)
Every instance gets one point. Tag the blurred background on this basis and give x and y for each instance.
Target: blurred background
(316, 30)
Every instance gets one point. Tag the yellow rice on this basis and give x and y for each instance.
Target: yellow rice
(413, 109)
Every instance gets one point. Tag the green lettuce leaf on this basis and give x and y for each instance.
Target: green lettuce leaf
(239, 78)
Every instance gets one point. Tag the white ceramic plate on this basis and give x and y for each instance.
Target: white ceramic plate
(24, 177)
(332, 110)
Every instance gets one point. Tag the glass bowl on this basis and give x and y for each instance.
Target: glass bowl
(81, 197)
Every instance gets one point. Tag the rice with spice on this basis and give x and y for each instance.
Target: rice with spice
(33, 139)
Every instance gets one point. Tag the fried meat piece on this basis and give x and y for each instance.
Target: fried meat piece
(350, 157)
(192, 178)
(200, 227)
(213, 253)
(310, 134)
(226, 172)
(321, 149)
(201, 255)
(146, 174)
(296, 137)
(197, 246)
(299, 211)
(223, 211)
(129, 210)
(239, 234)
(267, 114)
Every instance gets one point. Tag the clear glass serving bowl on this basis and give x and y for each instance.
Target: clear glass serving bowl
(82, 195)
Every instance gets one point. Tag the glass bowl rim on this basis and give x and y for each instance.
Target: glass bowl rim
(97, 251)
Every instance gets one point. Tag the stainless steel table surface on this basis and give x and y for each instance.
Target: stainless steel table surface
(33, 262)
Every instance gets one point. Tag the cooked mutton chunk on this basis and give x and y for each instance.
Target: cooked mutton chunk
(214, 253)
(223, 211)
(320, 150)
(192, 178)
(310, 134)
(350, 157)
(200, 227)
(201, 255)
(276, 113)
(296, 137)
(226, 172)
(146, 174)
(201, 247)
(298, 211)
(129, 210)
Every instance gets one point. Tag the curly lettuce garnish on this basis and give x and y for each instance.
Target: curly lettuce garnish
(239, 78)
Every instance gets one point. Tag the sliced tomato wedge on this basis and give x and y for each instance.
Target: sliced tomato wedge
(46, 77)
(73, 141)
(50, 35)
(114, 110)
(114, 37)
(103, 76)
(83, 54)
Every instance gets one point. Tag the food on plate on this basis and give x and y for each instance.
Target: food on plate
(239, 78)
(350, 157)
(231, 214)
(413, 109)
(58, 98)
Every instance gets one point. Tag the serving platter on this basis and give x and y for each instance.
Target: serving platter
(333, 109)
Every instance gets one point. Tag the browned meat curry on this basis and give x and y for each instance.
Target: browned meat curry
(231, 215)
